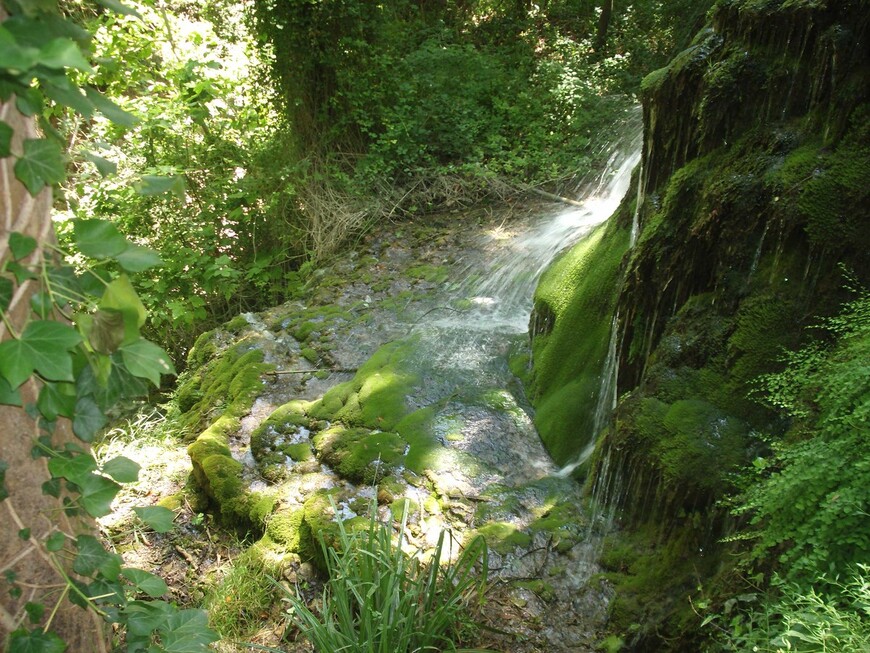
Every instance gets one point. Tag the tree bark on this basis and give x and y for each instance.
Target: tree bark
(603, 25)
(34, 569)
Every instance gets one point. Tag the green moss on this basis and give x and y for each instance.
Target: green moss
(417, 430)
(540, 587)
(503, 537)
(236, 324)
(358, 454)
(578, 293)
(284, 527)
(426, 272)
(310, 355)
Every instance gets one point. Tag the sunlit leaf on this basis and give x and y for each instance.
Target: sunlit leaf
(146, 360)
(60, 89)
(44, 346)
(14, 56)
(152, 585)
(143, 618)
(187, 631)
(72, 468)
(157, 517)
(9, 396)
(104, 166)
(138, 259)
(97, 494)
(122, 469)
(42, 163)
(104, 330)
(98, 238)
(111, 110)
(63, 53)
(156, 185)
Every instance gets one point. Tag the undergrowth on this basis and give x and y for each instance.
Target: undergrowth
(380, 599)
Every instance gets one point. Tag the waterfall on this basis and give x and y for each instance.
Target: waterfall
(605, 403)
(635, 218)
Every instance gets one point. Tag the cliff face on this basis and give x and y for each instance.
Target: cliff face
(753, 200)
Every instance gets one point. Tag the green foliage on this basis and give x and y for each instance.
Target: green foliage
(380, 599)
(83, 370)
(810, 499)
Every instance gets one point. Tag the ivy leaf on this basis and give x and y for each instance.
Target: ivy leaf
(35, 641)
(21, 273)
(97, 493)
(4, 493)
(111, 110)
(63, 53)
(187, 631)
(14, 56)
(93, 557)
(121, 297)
(98, 238)
(122, 469)
(29, 101)
(64, 92)
(104, 166)
(42, 163)
(41, 304)
(88, 419)
(152, 585)
(56, 399)
(156, 185)
(55, 541)
(9, 396)
(157, 517)
(143, 618)
(138, 259)
(146, 360)
(72, 468)
(5, 139)
(44, 346)
(21, 245)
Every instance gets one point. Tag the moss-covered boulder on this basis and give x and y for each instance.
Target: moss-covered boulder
(359, 454)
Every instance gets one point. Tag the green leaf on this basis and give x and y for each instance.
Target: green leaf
(118, 7)
(41, 304)
(98, 238)
(9, 396)
(13, 56)
(55, 541)
(21, 273)
(42, 163)
(104, 330)
(6, 290)
(152, 585)
(157, 517)
(111, 110)
(4, 493)
(88, 420)
(5, 139)
(63, 53)
(120, 296)
(104, 166)
(187, 631)
(35, 611)
(146, 360)
(64, 92)
(44, 346)
(24, 534)
(29, 101)
(21, 245)
(138, 259)
(57, 399)
(72, 468)
(93, 557)
(122, 470)
(156, 185)
(35, 641)
(144, 617)
(97, 494)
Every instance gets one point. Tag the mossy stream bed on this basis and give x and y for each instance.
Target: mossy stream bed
(389, 382)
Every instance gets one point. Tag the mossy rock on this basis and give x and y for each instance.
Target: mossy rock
(358, 454)
(284, 528)
(503, 537)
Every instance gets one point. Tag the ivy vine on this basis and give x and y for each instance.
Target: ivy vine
(82, 342)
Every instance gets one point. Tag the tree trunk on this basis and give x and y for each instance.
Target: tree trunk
(603, 26)
(33, 568)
